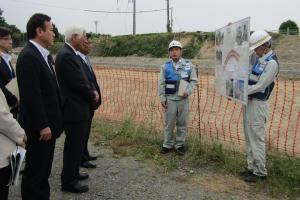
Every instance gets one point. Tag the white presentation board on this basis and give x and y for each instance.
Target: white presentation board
(232, 60)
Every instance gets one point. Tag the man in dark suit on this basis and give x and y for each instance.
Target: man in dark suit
(40, 107)
(7, 72)
(87, 48)
(78, 101)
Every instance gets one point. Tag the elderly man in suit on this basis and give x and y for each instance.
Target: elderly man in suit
(7, 72)
(40, 107)
(78, 101)
(83, 54)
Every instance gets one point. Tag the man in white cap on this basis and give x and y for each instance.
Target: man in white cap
(261, 83)
(176, 82)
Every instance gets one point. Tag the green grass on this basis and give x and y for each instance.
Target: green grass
(150, 45)
(143, 141)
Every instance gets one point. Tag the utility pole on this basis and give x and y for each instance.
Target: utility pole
(96, 25)
(169, 29)
(134, 17)
(171, 19)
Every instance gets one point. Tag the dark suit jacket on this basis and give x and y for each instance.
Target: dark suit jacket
(5, 77)
(78, 96)
(40, 100)
(93, 81)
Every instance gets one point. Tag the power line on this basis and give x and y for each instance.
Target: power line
(45, 5)
(86, 10)
(126, 12)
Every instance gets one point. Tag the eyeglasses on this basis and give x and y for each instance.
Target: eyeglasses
(6, 38)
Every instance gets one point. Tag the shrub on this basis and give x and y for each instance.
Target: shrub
(289, 27)
(55, 47)
(152, 44)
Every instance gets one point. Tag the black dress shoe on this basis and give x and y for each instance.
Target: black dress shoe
(88, 165)
(82, 176)
(92, 158)
(75, 187)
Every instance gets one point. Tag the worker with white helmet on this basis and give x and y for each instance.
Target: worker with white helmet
(261, 83)
(176, 105)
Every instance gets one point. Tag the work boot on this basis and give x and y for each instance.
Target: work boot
(165, 150)
(180, 150)
(252, 178)
(245, 173)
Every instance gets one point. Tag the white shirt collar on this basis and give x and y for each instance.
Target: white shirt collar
(82, 56)
(42, 50)
(177, 64)
(85, 59)
(262, 59)
(179, 61)
(76, 52)
(6, 57)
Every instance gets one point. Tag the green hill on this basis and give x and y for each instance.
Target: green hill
(149, 45)
(196, 45)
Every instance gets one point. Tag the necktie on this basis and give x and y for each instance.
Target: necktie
(89, 64)
(51, 63)
(12, 70)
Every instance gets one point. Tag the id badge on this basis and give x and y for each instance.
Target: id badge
(170, 86)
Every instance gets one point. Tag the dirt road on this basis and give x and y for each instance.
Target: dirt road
(125, 178)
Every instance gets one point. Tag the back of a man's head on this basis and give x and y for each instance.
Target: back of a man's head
(36, 21)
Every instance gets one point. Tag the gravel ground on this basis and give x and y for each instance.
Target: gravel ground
(125, 178)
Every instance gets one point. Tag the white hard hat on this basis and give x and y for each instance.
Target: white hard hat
(175, 43)
(258, 38)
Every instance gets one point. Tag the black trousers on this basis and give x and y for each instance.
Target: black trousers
(39, 157)
(73, 148)
(85, 154)
(5, 173)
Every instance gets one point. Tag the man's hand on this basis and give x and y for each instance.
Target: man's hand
(23, 144)
(96, 96)
(164, 104)
(185, 94)
(45, 134)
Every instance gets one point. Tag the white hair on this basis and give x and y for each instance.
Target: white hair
(75, 29)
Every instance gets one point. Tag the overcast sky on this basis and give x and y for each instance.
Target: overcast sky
(188, 15)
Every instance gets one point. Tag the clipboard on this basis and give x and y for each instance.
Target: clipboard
(182, 87)
(16, 160)
(12, 86)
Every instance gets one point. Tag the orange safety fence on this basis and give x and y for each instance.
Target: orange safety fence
(133, 91)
